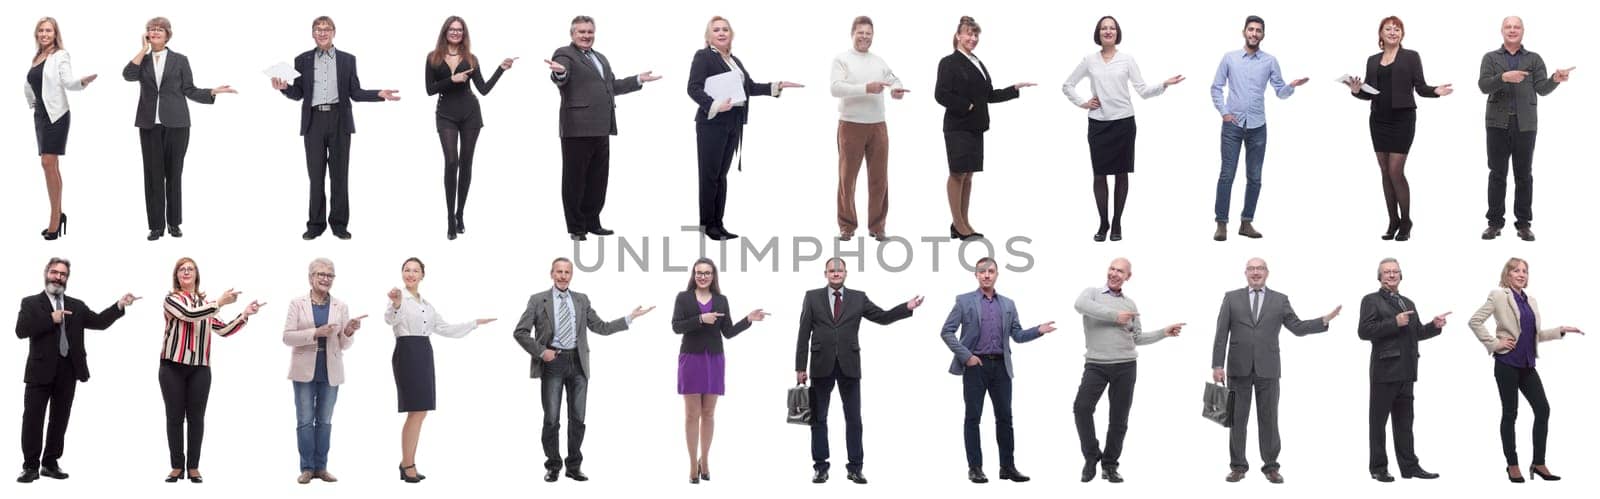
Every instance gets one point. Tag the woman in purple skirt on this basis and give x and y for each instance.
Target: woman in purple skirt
(701, 316)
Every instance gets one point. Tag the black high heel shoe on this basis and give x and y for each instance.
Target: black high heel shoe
(1100, 234)
(1404, 232)
(1513, 478)
(410, 479)
(174, 477)
(1116, 232)
(1534, 470)
(964, 237)
(196, 478)
(1394, 225)
(61, 230)
(694, 478)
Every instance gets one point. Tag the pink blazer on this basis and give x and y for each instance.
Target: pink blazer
(299, 332)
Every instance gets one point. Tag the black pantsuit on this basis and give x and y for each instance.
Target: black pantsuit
(585, 173)
(163, 149)
(184, 391)
(328, 157)
(1120, 378)
(715, 144)
(162, 117)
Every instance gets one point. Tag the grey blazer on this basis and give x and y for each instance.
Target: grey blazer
(588, 106)
(537, 328)
(965, 315)
(177, 83)
(1497, 112)
(1251, 344)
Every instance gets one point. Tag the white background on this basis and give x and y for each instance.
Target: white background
(1321, 210)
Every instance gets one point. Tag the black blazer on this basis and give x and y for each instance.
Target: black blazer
(707, 63)
(1394, 348)
(703, 338)
(177, 82)
(830, 343)
(966, 93)
(348, 88)
(588, 96)
(1405, 76)
(456, 101)
(44, 337)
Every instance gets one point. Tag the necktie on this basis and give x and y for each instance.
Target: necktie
(838, 305)
(1255, 305)
(564, 332)
(62, 327)
(594, 60)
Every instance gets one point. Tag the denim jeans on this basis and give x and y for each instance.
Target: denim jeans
(1254, 141)
(313, 414)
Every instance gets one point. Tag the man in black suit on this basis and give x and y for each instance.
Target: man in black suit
(326, 86)
(830, 323)
(53, 324)
(588, 120)
(1388, 320)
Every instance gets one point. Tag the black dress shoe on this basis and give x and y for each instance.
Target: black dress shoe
(578, 236)
(878, 237)
(1011, 473)
(1274, 477)
(820, 476)
(50, 471)
(602, 231)
(154, 235)
(311, 234)
(976, 475)
(574, 474)
(725, 235)
(1524, 233)
(1491, 233)
(552, 475)
(857, 477)
(1382, 476)
(1234, 476)
(341, 234)
(175, 231)
(1419, 473)
(1088, 472)
(28, 476)
(1111, 475)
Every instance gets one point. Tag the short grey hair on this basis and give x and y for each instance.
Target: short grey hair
(319, 262)
(56, 260)
(1386, 260)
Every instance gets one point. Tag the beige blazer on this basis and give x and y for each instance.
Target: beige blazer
(1507, 321)
(299, 332)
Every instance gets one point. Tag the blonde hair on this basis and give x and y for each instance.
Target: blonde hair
(55, 44)
(1505, 272)
(724, 20)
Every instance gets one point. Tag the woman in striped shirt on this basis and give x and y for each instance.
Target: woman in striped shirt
(185, 362)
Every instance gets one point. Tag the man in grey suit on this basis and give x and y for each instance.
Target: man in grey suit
(1513, 77)
(830, 325)
(552, 331)
(1247, 333)
(988, 324)
(588, 120)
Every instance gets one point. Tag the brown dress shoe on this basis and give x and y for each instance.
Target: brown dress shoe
(326, 477)
(1248, 231)
(305, 477)
(1235, 475)
(1274, 477)
(1222, 232)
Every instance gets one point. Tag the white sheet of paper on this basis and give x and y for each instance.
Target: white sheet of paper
(729, 85)
(1346, 79)
(282, 71)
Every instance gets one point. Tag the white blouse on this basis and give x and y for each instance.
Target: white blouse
(1109, 81)
(417, 317)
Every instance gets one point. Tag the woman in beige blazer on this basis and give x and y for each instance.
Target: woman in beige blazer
(1515, 346)
(319, 329)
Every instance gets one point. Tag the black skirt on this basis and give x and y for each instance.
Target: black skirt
(964, 150)
(52, 137)
(413, 373)
(1393, 133)
(1111, 145)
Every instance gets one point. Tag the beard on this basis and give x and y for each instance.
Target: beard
(54, 288)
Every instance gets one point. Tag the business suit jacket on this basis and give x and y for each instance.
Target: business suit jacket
(831, 343)
(1507, 321)
(964, 316)
(348, 88)
(698, 337)
(708, 63)
(1405, 75)
(588, 105)
(537, 328)
(299, 331)
(1251, 345)
(966, 93)
(44, 337)
(1497, 112)
(58, 79)
(177, 83)
(1394, 348)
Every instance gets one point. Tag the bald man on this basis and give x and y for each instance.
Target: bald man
(1513, 77)
(1247, 338)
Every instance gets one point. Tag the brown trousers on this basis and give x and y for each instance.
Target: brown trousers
(859, 141)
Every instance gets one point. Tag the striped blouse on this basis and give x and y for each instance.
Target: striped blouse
(189, 320)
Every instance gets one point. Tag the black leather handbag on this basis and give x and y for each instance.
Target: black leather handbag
(1218, 405)
(800, 405)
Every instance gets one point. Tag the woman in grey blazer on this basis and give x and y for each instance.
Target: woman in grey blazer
(49, 79)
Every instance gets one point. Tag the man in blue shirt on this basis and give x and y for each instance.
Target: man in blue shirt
(1246, 74)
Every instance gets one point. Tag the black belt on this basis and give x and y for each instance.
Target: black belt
(560, 351)
(991, 356)
(323, 107)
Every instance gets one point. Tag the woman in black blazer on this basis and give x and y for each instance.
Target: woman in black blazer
(719, 125)
(701, 316)
(165, 80)
(1396, 72)
(458, 117)
(965, 90)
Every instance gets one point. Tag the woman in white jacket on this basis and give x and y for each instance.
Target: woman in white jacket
(49, 79)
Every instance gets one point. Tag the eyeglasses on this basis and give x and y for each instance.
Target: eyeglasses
(456, 31)
(53, 273)
(702, 273)
(186, 270)
(324, 276)
(322, 31)
(1254, 268)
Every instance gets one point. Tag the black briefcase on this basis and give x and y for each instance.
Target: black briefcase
(800, 405)
(1218, 405)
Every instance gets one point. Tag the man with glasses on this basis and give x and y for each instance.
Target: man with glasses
(53, 324)
(318, 330)
(1389, 321)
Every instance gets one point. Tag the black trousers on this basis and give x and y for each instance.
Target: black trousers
(1096, 378)
(585, 170)
(821, 398)
(184, 390)
(1510, 380)
(991, 378)
(563, 374)
(55, 395)
(1509, 147)
(163, 150)
(715, 144)
(1391, 399)
(328, 155)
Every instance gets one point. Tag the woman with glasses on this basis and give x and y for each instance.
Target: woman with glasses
(185, 373)
(458, 118)
(700, 314)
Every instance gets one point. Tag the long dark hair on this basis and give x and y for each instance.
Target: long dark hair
(716, 284)
(442, 48)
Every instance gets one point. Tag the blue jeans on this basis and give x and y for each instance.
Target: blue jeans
(1254, 141)
(313, 414)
